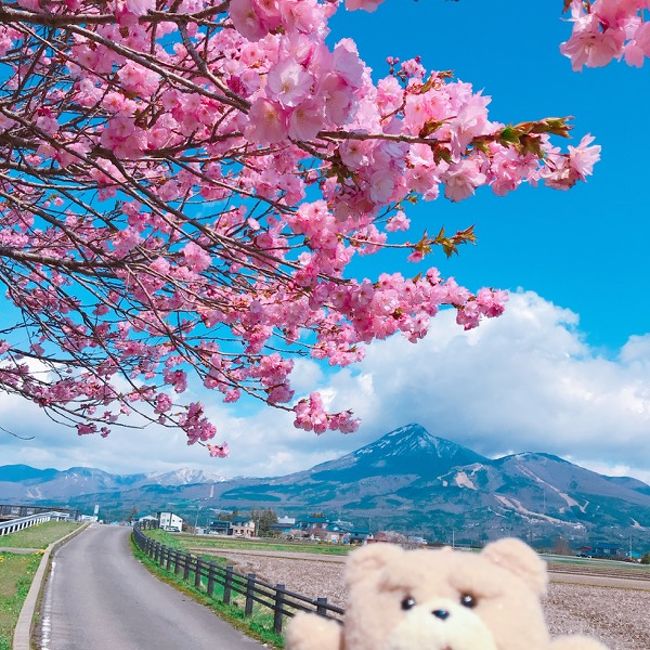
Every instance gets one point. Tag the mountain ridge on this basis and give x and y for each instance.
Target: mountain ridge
(408, 479)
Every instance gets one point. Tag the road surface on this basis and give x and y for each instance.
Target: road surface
(100, 597)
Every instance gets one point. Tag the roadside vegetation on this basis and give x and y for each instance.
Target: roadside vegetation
(182, 540)
(259, 625)
(39, 536)
(16, 573)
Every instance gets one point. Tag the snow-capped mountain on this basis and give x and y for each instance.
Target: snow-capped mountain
(24, 483)
(407, 480)
(183, 476)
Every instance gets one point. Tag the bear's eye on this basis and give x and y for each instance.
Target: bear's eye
(408, 602)
(467, 600)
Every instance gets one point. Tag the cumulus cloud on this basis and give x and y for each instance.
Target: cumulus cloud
(527, 381)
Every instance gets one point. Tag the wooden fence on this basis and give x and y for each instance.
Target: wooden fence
(205, 574)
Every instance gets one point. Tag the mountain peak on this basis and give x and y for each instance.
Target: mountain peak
(409, 450)
(414, 438)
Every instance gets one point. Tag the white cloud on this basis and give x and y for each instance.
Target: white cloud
(525, 381)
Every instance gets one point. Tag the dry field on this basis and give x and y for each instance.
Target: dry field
(618, 617)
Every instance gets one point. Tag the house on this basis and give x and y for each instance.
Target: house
(284, 526)
(359, 536)
(310, 523)
(329, 536)
(332, 532)
(242, 527)
(170, 522)
(219, 527)
(601, 549)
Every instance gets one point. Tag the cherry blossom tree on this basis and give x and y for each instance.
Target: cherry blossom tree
(605, 30)
(183, 188)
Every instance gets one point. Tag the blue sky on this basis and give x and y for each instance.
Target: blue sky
(584, 249)
(566, 370)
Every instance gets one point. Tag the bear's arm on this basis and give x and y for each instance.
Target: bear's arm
(313, 632)
(576, 643)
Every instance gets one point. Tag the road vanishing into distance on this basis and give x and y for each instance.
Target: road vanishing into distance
(99, 597)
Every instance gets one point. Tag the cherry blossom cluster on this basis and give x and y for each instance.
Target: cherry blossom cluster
(604, 30)
(186, 183)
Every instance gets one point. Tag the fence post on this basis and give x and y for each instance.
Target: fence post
(197, 573)
(250, 590)
(211, 568)
(177, 565)
(156, 553)
(227, 584)
(321, 606)
(277, 608)
(169, 559)
(186, 566)
(163, 550)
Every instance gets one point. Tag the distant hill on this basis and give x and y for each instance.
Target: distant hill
(27, 484)
(408, 480)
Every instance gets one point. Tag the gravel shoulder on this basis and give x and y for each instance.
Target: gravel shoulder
(617, 615)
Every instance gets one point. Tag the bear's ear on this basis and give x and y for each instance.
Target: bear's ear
(369, 559)
(515, 556)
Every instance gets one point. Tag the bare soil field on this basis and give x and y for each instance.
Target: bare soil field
(618, 617)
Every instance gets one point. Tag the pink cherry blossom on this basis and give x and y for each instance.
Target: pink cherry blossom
(605, 30)
(196, 257)
(366, 5)
(140, 7)
(288, 83)
(195, 181)
(399, 221)
(247, 20)
(268, 122)
(462, 179)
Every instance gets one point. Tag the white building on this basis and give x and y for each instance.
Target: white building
(170, 522)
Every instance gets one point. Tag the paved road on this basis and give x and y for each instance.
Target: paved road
(564, 576)
(99, 597)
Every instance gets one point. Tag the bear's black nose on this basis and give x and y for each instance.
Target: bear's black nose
(442, 614)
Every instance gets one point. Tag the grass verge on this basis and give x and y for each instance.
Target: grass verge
(259, 625)
(196, 541)
(16, 573)
(39, 536)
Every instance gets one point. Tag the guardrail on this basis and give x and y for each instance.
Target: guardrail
(13, 511)
(205, 575)
(14, 525)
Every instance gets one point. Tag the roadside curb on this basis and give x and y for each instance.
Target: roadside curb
(23, 631)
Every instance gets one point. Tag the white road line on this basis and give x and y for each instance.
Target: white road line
(46, 621)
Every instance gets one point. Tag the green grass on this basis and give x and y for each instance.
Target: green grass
(39, 536)
(259, 625)
(16, 573)
(196, 541)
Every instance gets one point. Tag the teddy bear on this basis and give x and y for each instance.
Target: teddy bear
(438, 600)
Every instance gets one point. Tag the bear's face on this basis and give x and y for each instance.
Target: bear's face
(446, 600)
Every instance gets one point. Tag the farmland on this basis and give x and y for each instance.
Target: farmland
(579, 600)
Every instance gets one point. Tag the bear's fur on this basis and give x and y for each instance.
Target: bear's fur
(439, 600)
